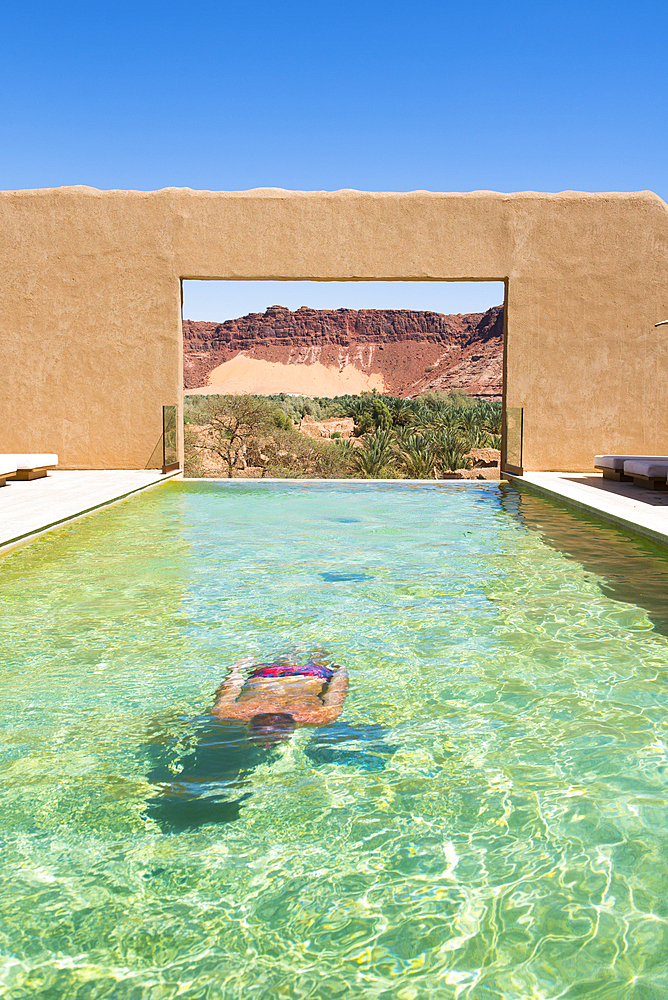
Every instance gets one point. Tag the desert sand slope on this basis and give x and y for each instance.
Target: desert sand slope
(244, 374)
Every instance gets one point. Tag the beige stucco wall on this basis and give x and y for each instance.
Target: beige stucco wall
(90, 302)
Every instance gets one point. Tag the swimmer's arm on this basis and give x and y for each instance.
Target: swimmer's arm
(337, 689)
(230, 689)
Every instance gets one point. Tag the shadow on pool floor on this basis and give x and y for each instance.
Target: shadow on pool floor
(634, 570)
(201, 775)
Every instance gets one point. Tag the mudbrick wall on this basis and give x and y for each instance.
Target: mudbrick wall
(90, 304)
(413, 351)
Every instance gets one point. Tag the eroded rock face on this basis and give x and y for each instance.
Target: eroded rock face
(485, 458)
(344, 426)
(412, 351)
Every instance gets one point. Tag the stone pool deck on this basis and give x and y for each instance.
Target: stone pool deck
(643, 511)
(29, 509)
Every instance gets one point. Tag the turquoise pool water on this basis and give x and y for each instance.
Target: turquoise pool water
(511, 842)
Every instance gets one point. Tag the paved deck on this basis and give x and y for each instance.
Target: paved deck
(644, 511)
(29, 509)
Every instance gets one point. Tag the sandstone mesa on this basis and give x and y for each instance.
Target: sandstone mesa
(404, 352)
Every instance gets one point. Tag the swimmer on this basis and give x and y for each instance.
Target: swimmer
(278, 697)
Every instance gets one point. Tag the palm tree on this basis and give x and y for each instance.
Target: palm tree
(401, 410)
(477, 437)
(451, 451)
(469, 419)
(418, 455)
(448, 418)
(490, 414)
(375, 456)
(344, 446)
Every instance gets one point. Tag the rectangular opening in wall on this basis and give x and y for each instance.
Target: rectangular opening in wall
(321, 351)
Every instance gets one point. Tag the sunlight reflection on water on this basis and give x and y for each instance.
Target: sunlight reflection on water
(489, 822)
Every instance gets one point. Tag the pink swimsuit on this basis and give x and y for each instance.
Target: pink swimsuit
(293, 670)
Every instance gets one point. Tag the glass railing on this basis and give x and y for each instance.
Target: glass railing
(514, 436)
(170, 453)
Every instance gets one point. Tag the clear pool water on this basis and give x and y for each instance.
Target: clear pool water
(508, 840)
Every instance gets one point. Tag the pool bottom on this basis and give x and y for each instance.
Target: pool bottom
(486, 820)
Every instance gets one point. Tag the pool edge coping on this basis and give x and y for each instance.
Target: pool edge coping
(29, 536)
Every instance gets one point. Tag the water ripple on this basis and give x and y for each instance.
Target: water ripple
(510, 840)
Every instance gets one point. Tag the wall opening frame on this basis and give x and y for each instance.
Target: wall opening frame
(341, 280)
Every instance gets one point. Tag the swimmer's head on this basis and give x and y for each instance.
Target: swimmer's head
(271, 728)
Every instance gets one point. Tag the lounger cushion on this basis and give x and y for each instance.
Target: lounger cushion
(650, 469)
(35, 461)
(616, 462)
(7, 465)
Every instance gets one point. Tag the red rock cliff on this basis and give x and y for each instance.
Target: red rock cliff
(413, 351)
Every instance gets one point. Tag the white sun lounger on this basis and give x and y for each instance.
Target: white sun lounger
(649, 472)
(33, 466)
(7, 468)
(612, 466)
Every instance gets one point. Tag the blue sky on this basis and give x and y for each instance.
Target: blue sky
(371, 95)
(220, 300)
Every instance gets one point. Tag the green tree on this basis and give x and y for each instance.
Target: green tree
(192, 464)
(451, 451)
(373, 414)
(236, 423)
(376, 456)
(418, 455)
(400, 409)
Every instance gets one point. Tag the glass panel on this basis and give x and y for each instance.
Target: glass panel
(514, 432)
(170, 454)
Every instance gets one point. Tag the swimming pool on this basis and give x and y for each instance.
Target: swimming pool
(509, 841)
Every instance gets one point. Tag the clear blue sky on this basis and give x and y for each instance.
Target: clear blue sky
(220, 300)
(427, 94)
